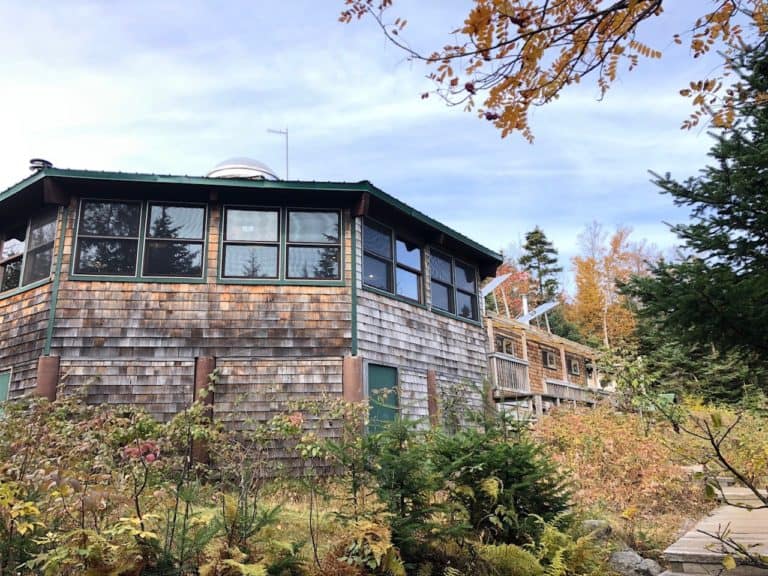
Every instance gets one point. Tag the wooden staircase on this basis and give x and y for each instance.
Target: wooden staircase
(701, 555)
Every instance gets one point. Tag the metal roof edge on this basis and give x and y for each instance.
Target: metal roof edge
(12, 190)
(362, 186)
(413, 212)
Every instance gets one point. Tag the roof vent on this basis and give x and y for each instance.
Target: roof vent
(36, 164)
(247, 168)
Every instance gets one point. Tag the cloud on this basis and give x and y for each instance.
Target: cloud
(175, 87)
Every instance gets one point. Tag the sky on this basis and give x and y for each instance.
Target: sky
(174, 87)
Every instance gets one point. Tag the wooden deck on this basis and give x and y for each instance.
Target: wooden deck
(698, 554)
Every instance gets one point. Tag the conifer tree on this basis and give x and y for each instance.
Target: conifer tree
(717, 295)
(540, 259)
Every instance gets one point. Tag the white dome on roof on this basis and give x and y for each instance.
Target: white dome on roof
(243, 167)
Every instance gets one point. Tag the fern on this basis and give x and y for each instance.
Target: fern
(557, 564)
(511, 559)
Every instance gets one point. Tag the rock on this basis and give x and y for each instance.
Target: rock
(599, 529)
(630, 563)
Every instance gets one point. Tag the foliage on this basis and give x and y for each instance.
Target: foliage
(506, 297)
(371, 547)
(626, 469)
(715, 295)
(75, 492)
(700, 370)
(599, 309)
(562, 554)
(511, 559)
(504, 485)
(520, 54)
(540, 259)
(406, 481)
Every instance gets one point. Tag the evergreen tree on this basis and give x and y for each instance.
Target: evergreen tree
(540, 259)
(717, 296)
(171, 257)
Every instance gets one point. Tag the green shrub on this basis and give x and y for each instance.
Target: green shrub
(503, 484)
(406, 483)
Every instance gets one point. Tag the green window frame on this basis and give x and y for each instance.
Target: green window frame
(246, 244)
(453, 286)
(391, 263)
(313, 252)
(26, 251)
(383, 393)
(137, 240)
(174, 240)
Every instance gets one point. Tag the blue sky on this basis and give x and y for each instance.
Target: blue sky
(175, 87)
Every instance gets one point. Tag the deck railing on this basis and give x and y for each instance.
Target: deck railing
(563, 390)
(510, 375)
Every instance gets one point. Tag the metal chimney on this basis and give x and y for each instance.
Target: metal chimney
(36, 164)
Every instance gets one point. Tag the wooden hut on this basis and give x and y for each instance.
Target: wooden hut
(136, 286)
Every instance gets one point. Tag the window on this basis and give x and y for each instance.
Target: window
(454, 286)
(548, 358)
(109, 232)
(27, 251)
(108, 238)
(391, 263)
(382, 395)
(251, 243)
(313, 245)
(574, 366)
(174, 242)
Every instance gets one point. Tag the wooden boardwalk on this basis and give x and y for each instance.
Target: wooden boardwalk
(698, 554)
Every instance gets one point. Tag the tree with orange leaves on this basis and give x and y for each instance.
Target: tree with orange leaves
(599, 309)
(514, 55)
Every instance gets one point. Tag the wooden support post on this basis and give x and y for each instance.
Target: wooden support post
(204, 366)
(47, 377)
(538, 408)
(352, 379)
(432, 405)
(562, 360)
(524, 340)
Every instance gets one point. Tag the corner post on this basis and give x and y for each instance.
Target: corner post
(47, 377)
(204, 365)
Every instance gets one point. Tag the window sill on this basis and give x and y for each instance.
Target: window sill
(21, 289)
(147, 280)
(455, 317)
(397, 297)
(277, 282)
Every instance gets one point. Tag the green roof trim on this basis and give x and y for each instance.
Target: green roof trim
(364, 186)
(29, 180)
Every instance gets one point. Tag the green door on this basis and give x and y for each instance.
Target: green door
(382, 395)
(5, 386)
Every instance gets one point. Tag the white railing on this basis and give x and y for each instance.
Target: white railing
(563, 390)
(510, 375)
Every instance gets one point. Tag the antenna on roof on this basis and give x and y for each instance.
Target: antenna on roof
(36, 164)
(282, 133)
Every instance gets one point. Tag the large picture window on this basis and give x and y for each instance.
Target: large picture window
(314, 245)
(391, 263)
(174, 241)
(26, 252)
(454, 286)
(109, 234)
(251, 243)
(108, 238)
